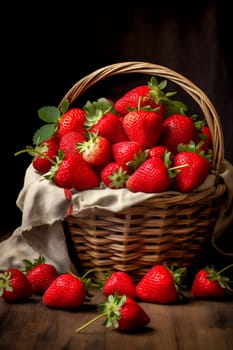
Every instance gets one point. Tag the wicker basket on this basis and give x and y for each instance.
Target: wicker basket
(175, 228)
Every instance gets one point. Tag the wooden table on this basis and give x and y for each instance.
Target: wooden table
(193, 325)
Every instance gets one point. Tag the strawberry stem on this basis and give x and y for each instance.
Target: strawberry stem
(31, 150)
(90, 322)
(225, 268)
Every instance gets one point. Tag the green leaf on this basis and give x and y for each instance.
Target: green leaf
(44, 133)
(49, 114)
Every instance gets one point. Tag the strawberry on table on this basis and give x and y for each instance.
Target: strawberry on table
(67, 291)
(14, 285)
(122, 313)
(161, 284)
(119, 282)
(40, 274)
(209, 283)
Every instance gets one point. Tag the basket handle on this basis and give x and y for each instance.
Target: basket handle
(209, 112)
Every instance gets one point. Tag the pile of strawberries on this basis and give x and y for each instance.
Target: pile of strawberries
(144, 141)
(121, 308)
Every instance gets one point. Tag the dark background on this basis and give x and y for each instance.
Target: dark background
(46, 49)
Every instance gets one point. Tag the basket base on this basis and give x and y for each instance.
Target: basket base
(135, 239)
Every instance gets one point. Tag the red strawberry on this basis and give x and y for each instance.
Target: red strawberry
(49, 149)
(96, 150)
(72, 120)
(119, 282)
(160, 285)
(129, 154)
(101, 119)
(158, 151)
(14, 285)
(68, 142)
(193, 170)
(143, 127)
(72, 171)
(130, 100)
(65, 292)
(177, 129)
(40, 274)
(44, 155)
(122, 313)
(114, 175)
(152, 176)
(206, 137)
(209, 283)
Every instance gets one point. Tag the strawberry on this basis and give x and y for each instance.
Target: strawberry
(68, 142)
(122, 313)
(205, 135)
(114, 175)
(152, 176)
(161, 284)
(131, 99)
(44, 155)
(120, 282)
(71, 120)
(40, 274)
(208, 283)
(67, 291)
(96, 150)
(143, 127)
(72, 171)
(194, 168)
(150, 95)
(14, 285)
(101, 118)
(178, 128)
(129, 154)
(158, 151)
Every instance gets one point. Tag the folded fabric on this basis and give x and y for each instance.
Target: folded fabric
(44, 206)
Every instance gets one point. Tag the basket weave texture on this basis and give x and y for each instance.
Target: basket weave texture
(175, 228)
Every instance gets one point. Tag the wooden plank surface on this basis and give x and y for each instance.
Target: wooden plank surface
(194, 325)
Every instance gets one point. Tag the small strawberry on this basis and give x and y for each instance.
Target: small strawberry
(14, 285)
(143, 126)
(68, 142)
(114, 175)
(194, 167)
(122, 313)
(161, 284)
(209, 283)
(177, 129)
(44, 155)
(101, 118)
(96, 150)
(120, 282)
(129, 154)
(67, 291)
(151, 176)
(158, 151)
(205, 135)
(40, 274)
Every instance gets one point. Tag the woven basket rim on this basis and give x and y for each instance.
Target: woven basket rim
(198, 95)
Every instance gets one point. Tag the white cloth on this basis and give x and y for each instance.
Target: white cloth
(44, 206)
